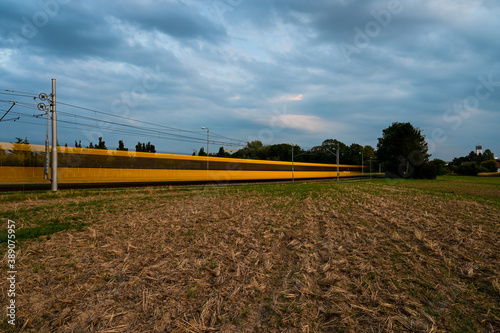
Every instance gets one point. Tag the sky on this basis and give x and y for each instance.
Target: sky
(293, 71)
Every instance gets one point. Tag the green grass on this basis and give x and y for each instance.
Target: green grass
(60, 211)
(468, 187)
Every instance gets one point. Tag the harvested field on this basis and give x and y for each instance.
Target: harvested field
(360, 256)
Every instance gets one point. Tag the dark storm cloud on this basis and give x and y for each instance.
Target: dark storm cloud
(83, 29)
(71, 30)
(348, 67)
(174, 19)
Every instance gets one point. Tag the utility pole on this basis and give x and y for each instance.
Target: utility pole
(48, 109)
(208, 144)
(293, 171)
(362, 162)
(54, 137)
(338, 160)
(46, 164)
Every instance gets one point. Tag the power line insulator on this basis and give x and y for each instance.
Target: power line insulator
(42, 107)
(43, 96)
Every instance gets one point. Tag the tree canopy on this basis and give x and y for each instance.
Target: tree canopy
(121, 146)
(145, 147)
(403, 151)
(100, 145)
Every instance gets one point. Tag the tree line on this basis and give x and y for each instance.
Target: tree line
(474, 163)
(402, 152)
(139, 147)
(324, 153)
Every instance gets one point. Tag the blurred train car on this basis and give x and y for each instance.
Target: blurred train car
(23, 164)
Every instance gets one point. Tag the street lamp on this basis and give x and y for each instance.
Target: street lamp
(362, 164)
(208, 143)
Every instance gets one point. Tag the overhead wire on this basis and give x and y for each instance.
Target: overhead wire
(159, 136)
(162, 131)
(19, 92)
(141, 121)
(130, 130)
(14, 94)
(148, 130)
(126, 118)
(29, 105)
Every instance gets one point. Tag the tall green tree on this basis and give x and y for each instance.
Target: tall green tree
(222, 153)
(369, 151)
(490, 165)
(146, 148)
(100, 145)
(326, 153)
(353, 154)
(202, 152)
(121, 146)
(441, 166)
(253, 150)
(403, 151)
(488, 155)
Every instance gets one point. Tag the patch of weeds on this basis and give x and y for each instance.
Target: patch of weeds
(191, 290)
(38, 267)
(465, 323)
(245, 312)
(35, 232)
(6, 327)
(108, 278)
(412, 291)
(212, 264)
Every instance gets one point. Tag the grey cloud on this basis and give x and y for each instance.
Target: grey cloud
(415, 69)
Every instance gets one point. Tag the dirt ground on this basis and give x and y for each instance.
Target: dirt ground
(364, 256)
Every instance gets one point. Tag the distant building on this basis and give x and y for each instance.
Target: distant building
(479, 150)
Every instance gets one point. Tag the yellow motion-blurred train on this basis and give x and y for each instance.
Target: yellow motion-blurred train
(23, 164)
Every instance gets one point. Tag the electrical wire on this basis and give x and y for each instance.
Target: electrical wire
(161, 131)
(115, 131)
(126, 118)
(141, 121)
(29, 105)
(132, 131)
(143, 129)
(14, 94)
(19, 92)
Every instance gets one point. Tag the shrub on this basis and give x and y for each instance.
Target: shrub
(490, 165)
(483, 170)
(426, 171)
(468, 169)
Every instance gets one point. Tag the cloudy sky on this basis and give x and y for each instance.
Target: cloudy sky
(277, 71)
